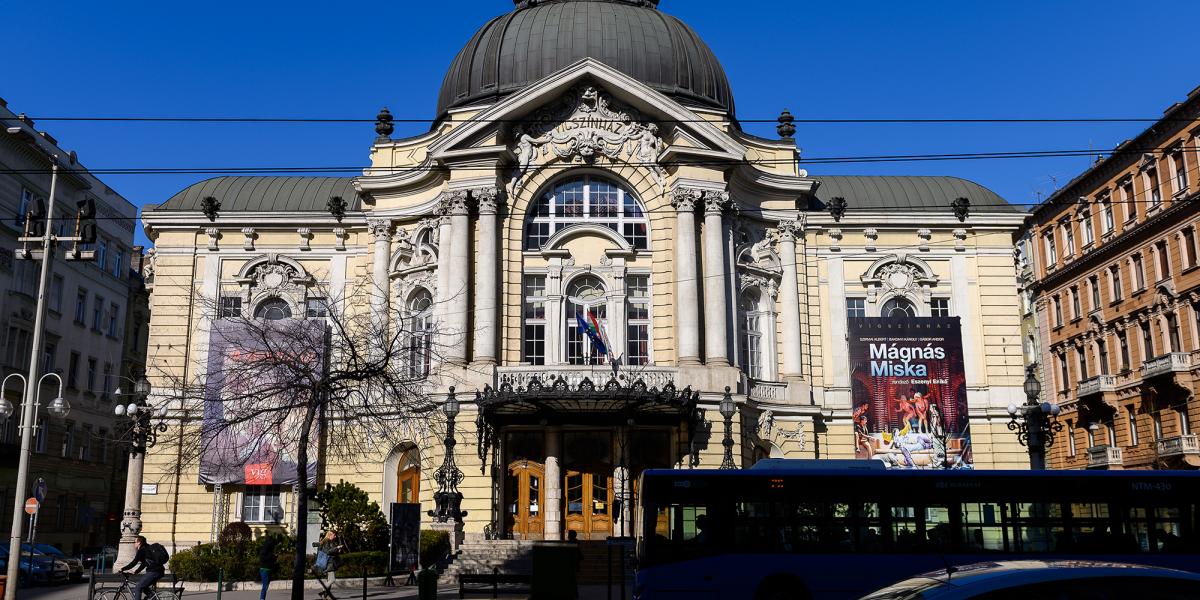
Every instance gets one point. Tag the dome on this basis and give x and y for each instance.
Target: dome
(540, 37)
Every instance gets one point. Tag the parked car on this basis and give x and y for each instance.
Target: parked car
(1036, 579)
(74, 565)
(36, 567)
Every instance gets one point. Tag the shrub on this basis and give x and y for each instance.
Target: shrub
(435, 545)
(375, 562)
(235, 533)
(357, 519)
(233, 561)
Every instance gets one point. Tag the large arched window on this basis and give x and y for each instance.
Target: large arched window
(587, 199)
(750, 321)
(898, 307)
(420, 331)
(273, 309)
(585, 297)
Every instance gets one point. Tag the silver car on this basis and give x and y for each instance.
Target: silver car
(1046, 580)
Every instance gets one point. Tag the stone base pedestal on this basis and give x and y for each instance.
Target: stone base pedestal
(456, 534)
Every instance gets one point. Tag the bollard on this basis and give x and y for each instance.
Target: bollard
(220, 582)
(364, 582)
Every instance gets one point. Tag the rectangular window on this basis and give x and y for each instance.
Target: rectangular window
(1129, 199)
(23, 207)
(73, 371)
(856, 308)
(1063, 374)
(1051, 249)
(1114, 280)
(102, 438)
(315, 308)
(1102, 356)
(1180, 167)
(1151, 183)
(113, 311)
(81, 298)
(1076, 308)
(1085, 226)
(56, 294)
(1106, 209)
(534, 343)
(91, 375)
(1070, 438)
(49, 353)
(1139, 272)
(1068, 240)
(118, 263)
(939, 307)
(1147, 342)
(17, 347)
(260, 504)
(102, 254)
(1110, 427)
(231, 307)
(68, 441)
(108, 378)
(41, 438)
(1164, 260)
(1133, 431)
(1094, 288)
(1091, 435)
(98, 313)
(1189, 247)
(1156, 423)
(638, 320)
(1058, 311)
(1185, 423)
(85, 443)
(1081, 358)
(1123, 343)
(1173, 339)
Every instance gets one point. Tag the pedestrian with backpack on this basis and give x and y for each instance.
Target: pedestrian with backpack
(268, 563)
(151, 557)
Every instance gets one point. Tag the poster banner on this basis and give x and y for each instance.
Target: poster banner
(406, 537)
(253, 417)
(910, 392)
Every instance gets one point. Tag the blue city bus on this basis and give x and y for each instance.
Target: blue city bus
(781, 532)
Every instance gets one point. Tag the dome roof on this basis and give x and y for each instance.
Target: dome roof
(540, 37)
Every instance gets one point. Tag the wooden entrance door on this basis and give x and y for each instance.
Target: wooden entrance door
(525, 499)
(589, 504)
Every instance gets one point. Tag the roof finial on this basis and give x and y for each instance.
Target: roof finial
(383, 124)
(786, 127)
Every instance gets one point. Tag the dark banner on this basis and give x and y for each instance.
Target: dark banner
(406, 537)
(910, 392)
(252, 416)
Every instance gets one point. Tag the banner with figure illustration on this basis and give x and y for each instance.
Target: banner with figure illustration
(909, 391)
(253, 409)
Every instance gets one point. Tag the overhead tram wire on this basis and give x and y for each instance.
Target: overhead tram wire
(811, 121)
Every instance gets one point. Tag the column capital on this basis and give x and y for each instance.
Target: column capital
(789, 230)
(455, 203)
(716, 202)
(487, 199)
(685, 199)
(379, 228)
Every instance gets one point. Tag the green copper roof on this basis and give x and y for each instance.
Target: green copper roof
(265, 194)
(913, 193)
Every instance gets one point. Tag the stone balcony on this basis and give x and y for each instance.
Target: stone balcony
(1175, 362)
(768, 391)
(1096, 385)
(1182, 445)
(520, 376)
(1105, 457)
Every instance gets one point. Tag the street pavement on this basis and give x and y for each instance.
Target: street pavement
(78, 591)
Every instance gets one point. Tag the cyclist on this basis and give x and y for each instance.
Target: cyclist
(147, 558)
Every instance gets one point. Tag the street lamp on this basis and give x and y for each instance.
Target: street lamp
(448, 500)
(727, 410)
(1035, 422)
(143, 435)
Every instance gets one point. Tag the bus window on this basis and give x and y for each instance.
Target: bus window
(779, 527)
(870, 527)
(1157, 530)
(691, 534)
(840, 534)
(1091, 529)
(983, 531)
(904, 533)
(939, 533)
(1037, 526)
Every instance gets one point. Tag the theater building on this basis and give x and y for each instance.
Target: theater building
(587, 160)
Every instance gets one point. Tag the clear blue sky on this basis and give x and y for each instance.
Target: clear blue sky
(834, 59)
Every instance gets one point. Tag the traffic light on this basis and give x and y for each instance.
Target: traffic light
(35, 219)
(85, 221)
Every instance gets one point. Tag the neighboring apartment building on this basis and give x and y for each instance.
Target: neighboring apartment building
(1118, 301)
(79, 457)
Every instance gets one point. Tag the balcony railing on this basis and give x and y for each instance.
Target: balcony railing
(1183, 445)
(1175, 362)
(1096, 385)
(1105, 457)
(519, 377)
(768, 391)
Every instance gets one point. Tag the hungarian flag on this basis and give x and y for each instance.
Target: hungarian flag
(591, 328)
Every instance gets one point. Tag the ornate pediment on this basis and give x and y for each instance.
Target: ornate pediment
(586, 125)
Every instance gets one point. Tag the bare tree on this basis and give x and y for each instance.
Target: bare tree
(284, 393)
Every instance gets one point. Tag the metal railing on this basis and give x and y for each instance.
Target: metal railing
(519, 377)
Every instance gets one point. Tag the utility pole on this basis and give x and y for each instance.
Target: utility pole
(28, 417)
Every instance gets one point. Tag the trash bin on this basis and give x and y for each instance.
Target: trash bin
(555, 571)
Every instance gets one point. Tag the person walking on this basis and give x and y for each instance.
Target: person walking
(150, 557)
(268, 563)
(331, 548)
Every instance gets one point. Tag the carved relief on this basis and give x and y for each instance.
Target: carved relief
(685, 199)
(214, 235)
(248, 243)
(583, 126)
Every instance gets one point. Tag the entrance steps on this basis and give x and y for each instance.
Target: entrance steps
(479, 556)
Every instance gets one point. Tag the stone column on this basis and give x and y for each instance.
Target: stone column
(441, 309)
(457, 284)
(553, 484)
(486, 298)
(687, 294)
(716, 304)
(381, 230)
(790, 301)
(618, 314)
(131, 524)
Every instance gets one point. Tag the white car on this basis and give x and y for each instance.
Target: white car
(1046, 580)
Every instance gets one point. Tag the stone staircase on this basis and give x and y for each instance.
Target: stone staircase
(477, 555)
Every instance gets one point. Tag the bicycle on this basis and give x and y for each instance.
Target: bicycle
(125, 592)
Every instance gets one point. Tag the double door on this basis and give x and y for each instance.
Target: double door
(526, 499)
(587, 502)
(589, 507)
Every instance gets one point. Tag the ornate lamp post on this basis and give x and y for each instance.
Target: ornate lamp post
(727, 410)
(143, 435)
(448, 500)
(1035, 422)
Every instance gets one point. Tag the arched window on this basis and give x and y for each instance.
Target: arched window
(898, 307)
(420, 331)
(273, 309)
(587, 199)
(586, 298)
(750, 320)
